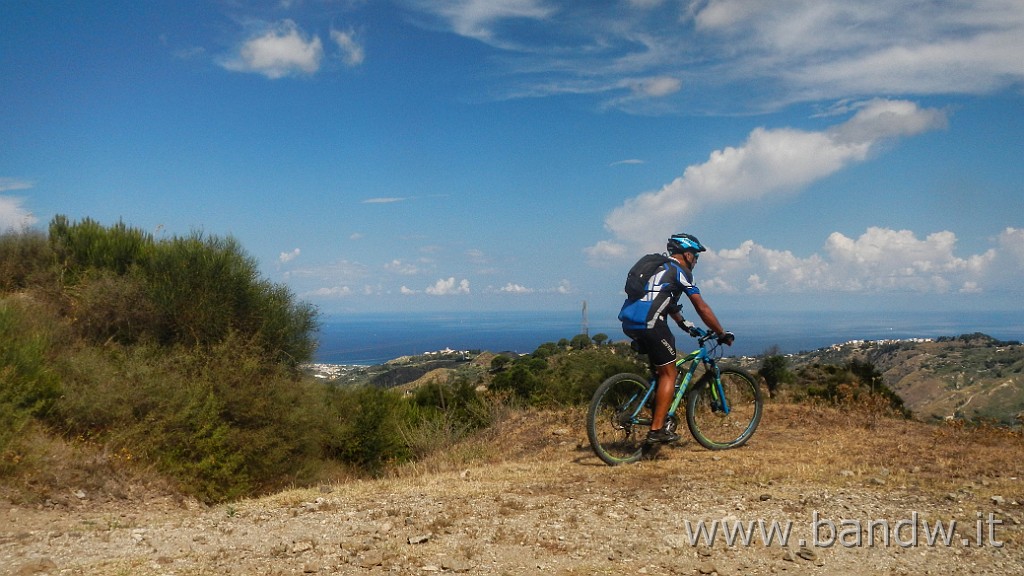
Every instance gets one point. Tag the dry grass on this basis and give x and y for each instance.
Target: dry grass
(795, 443)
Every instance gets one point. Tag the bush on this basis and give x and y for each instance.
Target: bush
(28, 388)
(548, 379)
(223, 423)
(775, 371)
(109, 307)
(370, 431)
(26, 261)
(192, 290)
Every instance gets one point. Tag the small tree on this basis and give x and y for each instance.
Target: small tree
(580, 342)
(499, 362)
(600, 338)
(775, 370)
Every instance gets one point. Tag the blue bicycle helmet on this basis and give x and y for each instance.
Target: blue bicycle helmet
(684, 243)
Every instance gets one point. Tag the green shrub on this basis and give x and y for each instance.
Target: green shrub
(26, 382)
(26, 261)
(28, 388)
(110, 307)
(192, 290)
(88, 244)
(563, 378)
(370, 424)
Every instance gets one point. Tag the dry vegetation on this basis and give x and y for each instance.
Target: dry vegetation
(529, 497)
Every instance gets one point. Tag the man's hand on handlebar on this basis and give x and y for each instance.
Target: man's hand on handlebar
(688, 327)
(727, 338)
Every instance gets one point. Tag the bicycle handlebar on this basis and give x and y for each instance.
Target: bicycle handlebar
(699, 333)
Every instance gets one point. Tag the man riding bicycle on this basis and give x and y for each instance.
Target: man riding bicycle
(644, 313)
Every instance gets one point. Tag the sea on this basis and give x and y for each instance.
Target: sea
(374, 338)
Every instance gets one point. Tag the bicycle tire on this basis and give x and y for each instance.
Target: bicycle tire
(616, 435)
(709, 425)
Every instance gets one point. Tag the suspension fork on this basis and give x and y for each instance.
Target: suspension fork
(717, 391)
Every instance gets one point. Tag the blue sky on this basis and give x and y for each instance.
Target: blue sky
(418, 155)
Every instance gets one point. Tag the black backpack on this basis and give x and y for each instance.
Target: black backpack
(641, 272)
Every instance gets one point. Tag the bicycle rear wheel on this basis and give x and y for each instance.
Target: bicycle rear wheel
(708, 422)
(619, 418)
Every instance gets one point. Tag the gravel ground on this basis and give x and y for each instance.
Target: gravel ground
(549, 506)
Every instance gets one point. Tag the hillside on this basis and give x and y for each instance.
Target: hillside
(972, 377)
(530, 498)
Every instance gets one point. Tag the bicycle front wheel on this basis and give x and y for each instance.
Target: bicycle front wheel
(619, 418)
(711, 425)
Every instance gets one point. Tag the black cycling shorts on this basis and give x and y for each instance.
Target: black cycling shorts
(658, 343)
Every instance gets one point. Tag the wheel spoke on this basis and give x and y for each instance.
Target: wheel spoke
(711, 424)
(618, 420)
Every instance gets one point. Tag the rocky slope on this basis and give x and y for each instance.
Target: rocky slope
(972, 377)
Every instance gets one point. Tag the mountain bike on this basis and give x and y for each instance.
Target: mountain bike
(723, 405)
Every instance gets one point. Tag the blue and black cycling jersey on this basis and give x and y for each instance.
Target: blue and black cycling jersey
(660, 298)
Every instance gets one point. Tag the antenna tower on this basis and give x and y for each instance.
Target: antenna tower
(586, 325)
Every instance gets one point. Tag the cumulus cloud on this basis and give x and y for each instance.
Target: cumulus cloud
(280, 50)
(286, 257)
(332, 292)
(879, 260)
(1011, 243)
(512, 288)
(13, 215)
(771, 162)
(605, 251)
(448, 287)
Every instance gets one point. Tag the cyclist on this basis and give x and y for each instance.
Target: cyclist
(643, 317)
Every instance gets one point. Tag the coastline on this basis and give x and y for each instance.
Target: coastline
(374, 339)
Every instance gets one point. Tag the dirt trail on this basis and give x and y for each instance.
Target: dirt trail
(549, 506)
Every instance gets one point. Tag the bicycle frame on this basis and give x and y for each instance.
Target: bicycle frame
(684, 378)
(623, 405)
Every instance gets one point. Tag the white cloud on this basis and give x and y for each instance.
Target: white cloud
(13, 215)
(834, 48)
(795, 51)
(478, 18)
(280, 50)
(352, 52)
(770, 162)
(448, 287)
(605, 251)
(286, 257)
(405, 290)
(656, 87)
(511, 288)
(335, 273)
(332, 292)
(8, 184)
(879, 260)
(1011, 243)
(385, 200)
(400, 267)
